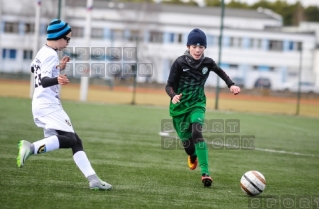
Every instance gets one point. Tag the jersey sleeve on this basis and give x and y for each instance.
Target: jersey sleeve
(173, 79)
(222, 74)
(48, 65)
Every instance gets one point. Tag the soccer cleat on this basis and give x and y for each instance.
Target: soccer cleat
(99, 185)
(192, 162)
(207, 180)
(24, 152)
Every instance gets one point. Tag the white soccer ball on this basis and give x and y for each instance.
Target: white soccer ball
(253, 183)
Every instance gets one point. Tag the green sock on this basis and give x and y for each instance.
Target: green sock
(202, 156)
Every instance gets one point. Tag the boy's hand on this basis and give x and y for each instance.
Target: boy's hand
(176, 98)
(235, 89)
(62, 79)
(63, 62)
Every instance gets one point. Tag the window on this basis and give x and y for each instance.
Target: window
(77, 32)
(11, 27)
(224, 65)
(117, 34)
(210, 40)
(9, 53)
(179, 38)
(239, 42)
(291, 45)
(97, 33)
(233, 66)
(156, 37)
(171, 37)
(231, 41)
(134, 34)
(27, 54)
(299, 46)
(12, 53)
(275, 45)
(256, 43)
(29, 28)
(235, 42)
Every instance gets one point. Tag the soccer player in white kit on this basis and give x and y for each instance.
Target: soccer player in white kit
(47, 109)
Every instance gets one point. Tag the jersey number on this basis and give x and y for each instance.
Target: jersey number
(37, 76)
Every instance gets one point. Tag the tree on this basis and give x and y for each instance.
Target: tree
(237, 4)
(213, 3)
(311, 14)
(172, 2)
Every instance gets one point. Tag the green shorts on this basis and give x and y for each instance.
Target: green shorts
(182, 123)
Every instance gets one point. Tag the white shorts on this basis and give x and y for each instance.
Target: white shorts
(57, 120)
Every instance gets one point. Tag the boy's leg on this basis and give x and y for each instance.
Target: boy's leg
(189, 147)
(81, 160)
(58, 120)
(183, 129)
(59, 141)
(197, 119)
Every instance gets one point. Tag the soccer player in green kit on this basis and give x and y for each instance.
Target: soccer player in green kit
(185, 86)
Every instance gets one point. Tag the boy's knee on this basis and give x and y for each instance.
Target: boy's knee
(197, 132)
(66, 139)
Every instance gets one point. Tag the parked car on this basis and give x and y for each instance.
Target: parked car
(305, 87)
(238, 81)
(263, 83)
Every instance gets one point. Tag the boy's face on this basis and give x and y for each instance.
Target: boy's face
(196, 51)
(64, 41)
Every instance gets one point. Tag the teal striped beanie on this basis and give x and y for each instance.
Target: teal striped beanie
(57, 29)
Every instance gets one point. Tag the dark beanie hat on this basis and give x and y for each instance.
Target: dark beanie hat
(57, 29)
(196, 37)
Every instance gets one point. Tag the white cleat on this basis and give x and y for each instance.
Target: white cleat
(100, 185)
(24, 152)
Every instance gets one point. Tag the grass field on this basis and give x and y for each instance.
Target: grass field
(125, 149)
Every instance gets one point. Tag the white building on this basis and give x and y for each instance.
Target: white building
(251, 49)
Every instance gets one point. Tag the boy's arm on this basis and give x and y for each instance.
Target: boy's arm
(47, 82)
(173, 78)
(223, 75)
(46, 73)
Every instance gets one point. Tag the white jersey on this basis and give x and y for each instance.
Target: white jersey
(45, 100)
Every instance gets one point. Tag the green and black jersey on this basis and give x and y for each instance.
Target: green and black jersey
(188, 77)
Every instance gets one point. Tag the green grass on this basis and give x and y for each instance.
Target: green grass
(124, 147)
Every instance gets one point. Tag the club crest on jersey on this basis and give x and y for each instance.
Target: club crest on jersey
(68, 122)
(205, 70)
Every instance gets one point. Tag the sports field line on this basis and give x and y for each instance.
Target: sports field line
(166, 134)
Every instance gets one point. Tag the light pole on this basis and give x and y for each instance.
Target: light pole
(135, 69)
(59, 9)
(220, 49)
(84, 85)
(299, 78)
(35, 41)
(1, 5)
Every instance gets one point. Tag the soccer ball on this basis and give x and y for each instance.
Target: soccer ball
(253, 183)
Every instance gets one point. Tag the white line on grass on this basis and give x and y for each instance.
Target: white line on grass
(166, 134)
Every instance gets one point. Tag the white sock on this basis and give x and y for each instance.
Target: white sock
(82, 161)
(46, 145)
